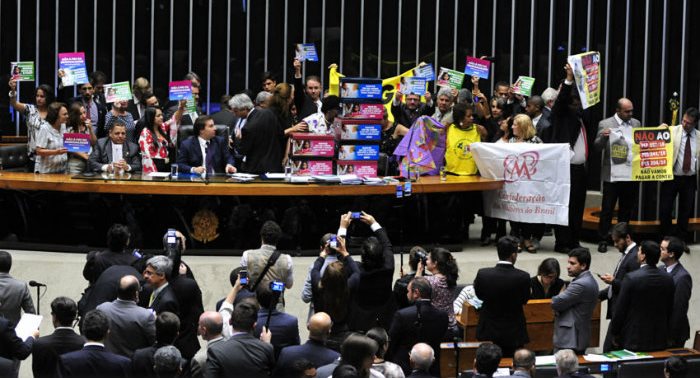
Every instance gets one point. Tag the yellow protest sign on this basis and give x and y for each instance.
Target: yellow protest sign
(652, 154)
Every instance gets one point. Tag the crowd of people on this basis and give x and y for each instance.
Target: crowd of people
(140, 315)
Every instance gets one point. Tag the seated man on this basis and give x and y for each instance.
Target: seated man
(204, 151)
(115, 152)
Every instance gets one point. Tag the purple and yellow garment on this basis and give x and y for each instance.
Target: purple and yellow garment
(423, 148)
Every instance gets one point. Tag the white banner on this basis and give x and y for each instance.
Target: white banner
(620, 141)
(537, 181)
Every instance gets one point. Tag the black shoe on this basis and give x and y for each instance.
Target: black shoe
(564, 250)
(602, 247)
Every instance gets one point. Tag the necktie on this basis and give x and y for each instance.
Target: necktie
(687, 155)
(208, 159)
(150, 301)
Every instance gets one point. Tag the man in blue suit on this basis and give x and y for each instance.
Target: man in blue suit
(672, 249)
(284, 327)
(314, 349)
(93, 360)
(204, 151)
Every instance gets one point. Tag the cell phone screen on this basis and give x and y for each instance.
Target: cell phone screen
(244, 277)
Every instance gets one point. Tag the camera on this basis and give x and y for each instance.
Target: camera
(243, 275)
(355, 215)
(277, 286)
(333, 242)
(171, 242)
(422, 256)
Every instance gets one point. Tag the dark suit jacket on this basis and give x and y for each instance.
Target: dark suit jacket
(404, 334)
(628, 264)
(142, 362)
(165, 301)
(190, 154)
(102, 154)
(242, 355)
(262, 142)
(105, 288)
(311, 350)
(565, 123)
(11, 346)
(225, 117)
(542, 125)
(420, 374)
(679, 330)
(134, 109)
(98, 261)
(94, 361)
(305, 105)
(189, 299)
(643, 310)
(48, 348)
(284, 328)
(504, 290)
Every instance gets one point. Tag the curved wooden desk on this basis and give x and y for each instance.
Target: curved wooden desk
(64, 183)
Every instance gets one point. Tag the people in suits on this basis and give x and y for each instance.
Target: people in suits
(672, 248)
(567, 364)
(419, 323)
(104, 156)
(12, 348)
(94, 360)
(568, 127)
(104, 289)
(262, 141)
(63, 340)
(622, 239)
(167, 328)
(643, 310)
(686, 149)
(204, 151)
(488, 357)
(118, 237)
(130, 327)
(523, 363)
(284, 327)
(535, 110)
(314, 349)
(243, 354)
(421, 358)
(225, 116)
(95, 110)
(210, 326)
(504, 290)
(622, 192)
(161, 298)
(573, 308)
(14, 294)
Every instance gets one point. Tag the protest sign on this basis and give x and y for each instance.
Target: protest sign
(117, 92)
(450, 78)
(427, 71)
(72, 68)
(76, 142)
(180, 90)
(415, 85)
(652, 154)
(477, 67)
(523, 86)
(22, 71)
(537, 181)
(586, 69)
(306, 51)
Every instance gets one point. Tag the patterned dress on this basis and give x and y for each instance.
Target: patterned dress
(150, 152)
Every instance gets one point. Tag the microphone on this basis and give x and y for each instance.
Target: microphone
(33, 283)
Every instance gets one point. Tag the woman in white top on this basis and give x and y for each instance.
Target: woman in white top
(51, 156)
(34, 114)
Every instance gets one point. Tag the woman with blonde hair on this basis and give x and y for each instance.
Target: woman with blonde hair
(523, 130)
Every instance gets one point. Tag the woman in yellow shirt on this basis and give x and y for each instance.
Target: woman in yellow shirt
(460, 135)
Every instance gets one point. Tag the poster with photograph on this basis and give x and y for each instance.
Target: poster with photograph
(22, 71)
(586, 68)
(72, 69)
(450, 78)
(117, 92)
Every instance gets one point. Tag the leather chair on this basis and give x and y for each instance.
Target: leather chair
(186, 131)
(14, 157)
(641, 369)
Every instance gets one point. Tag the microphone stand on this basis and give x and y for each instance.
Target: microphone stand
(456, 343)
(38, 300)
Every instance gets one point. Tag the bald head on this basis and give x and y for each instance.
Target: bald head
(624, 109)
(422, 356)
(210, 325)
(319, 326)
(128, 288)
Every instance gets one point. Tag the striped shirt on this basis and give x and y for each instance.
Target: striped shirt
(51, 139)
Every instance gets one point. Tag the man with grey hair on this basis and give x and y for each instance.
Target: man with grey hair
(160, 297)
(261, 100)
(567, 364)
(422, 357)
(241, 106)
(548, 96)
(210, 328)
(523, 363)
(443, 110)
(167, 362)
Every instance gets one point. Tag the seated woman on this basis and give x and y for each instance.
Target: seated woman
(546, 283)
(51, 156)
(79, 123)
(443, 267)
(157, 138)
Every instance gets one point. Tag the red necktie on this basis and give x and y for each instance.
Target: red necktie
(687, 155)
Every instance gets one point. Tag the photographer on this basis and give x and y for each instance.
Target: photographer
(284, 327)
(416, 255)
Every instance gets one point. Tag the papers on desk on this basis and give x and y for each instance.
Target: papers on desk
(502, 372)
(326, 178)
(301, 179)
(545, 360)
(616, 355)
(597, 358)
(275, 176)
(27, 325)
(159, 174)
(243, 177)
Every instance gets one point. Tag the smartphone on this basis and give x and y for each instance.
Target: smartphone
(333, 242)
(476, 99)
(243, 276)
(355, 215)
(277, 286)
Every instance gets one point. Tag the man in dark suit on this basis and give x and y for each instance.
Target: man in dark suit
(307, 96)
(422, 357)
(95, 110)
(130, 327)
(420, 323)
(262, 142)
(103, 156)
(13, 348)
(160, 296)
(568, 127)
(63, 339)
(118, 237)
(94, 360)
(622, 239)
(167, 329)
(534, 109)
(105, 288)
(204, 151)
(643, 310)
(242, 355)
(314, 349)
(284, 327)
(488, 357)
(14, 294)
(672, 249)
(621, 125)
(504, 290)
(225, 116)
